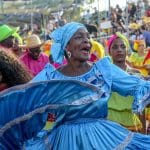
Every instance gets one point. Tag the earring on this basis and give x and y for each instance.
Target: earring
(69, 54)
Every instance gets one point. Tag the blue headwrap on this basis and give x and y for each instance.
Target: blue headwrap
(61, 37)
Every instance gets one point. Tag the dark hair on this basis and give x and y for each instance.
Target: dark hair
(91, 28)
(13, 72)
(143, 27)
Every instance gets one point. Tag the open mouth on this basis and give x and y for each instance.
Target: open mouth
(120, 56)
(85, 50)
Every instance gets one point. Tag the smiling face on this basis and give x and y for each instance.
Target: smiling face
(118, 50)
(79, 46)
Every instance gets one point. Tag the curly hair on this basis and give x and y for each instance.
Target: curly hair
(13, 72)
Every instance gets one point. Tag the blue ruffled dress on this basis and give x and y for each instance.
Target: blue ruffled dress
(85, 127)
(24, 108)
(83, 124)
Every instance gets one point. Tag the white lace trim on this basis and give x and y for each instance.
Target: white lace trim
(126, 142)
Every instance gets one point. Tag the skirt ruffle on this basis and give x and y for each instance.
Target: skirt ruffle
(93, 135)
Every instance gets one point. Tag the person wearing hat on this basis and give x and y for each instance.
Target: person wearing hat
(136, 59)
(118, 46)
(6, 37)
(33, 58)
(9, 39)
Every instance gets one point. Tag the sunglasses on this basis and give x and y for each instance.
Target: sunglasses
(35, 50)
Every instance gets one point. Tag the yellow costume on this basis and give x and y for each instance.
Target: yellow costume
(46, 47)
(138, 60)
(97, 49)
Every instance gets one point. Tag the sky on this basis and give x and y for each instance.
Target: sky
(104, 4)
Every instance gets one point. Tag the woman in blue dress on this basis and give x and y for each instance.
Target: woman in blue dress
(83, 125)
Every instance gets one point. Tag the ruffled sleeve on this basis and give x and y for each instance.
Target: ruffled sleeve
(126, 84)
(121, 82)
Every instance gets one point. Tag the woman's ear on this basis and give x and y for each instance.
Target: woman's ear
(67, 52)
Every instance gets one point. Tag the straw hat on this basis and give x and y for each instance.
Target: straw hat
(146, 20)
(134, 26)
(6, 31)
(32, 41)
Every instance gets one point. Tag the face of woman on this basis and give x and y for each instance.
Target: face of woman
(118, 50)
(79, 46)
(141, 47)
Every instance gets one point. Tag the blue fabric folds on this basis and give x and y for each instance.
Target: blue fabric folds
(85, 127)
(61, 37)
(113, 79)
(91, 134)
(57, 53)
(24, 108)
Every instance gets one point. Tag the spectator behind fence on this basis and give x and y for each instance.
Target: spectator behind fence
(136, 60)
(34, 59)
(9, 39)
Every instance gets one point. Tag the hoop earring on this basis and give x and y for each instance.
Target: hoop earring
(69, 54)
